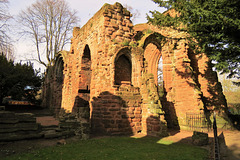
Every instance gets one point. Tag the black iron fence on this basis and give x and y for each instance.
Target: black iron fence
(196, 121)
(216, 143)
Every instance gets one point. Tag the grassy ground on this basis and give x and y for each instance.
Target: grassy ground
(117, 148)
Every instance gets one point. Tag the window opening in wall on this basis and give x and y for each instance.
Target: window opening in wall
(160, 72)
(86, 53)
(123, 70)
(59, 73)
(86, 72)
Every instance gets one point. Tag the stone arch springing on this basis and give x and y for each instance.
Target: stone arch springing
(123, 67)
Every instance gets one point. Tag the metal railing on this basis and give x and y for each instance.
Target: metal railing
(216, 143)
(196, 121)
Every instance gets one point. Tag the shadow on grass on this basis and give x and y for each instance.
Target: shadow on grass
(231, 152)
(119, 148)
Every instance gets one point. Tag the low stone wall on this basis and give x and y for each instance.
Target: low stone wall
(75, 123)
(21, 126)
(18, 126)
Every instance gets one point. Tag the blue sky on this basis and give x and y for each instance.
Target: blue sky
(86, 9)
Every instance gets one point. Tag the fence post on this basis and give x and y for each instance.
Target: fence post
(216, 144)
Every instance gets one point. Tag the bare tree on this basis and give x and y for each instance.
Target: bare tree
(135, 13)
(6, 47)
(48, 23)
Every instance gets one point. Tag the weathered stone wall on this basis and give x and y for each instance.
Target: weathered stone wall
(113, 65)
(53, 84)
(18, 126)
(117, 114)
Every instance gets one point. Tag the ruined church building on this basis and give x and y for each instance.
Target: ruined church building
(134, 79)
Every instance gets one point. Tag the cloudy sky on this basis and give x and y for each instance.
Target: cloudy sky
(86, 9)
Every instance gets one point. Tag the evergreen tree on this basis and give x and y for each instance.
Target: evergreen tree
(15, 77)
(214, 24)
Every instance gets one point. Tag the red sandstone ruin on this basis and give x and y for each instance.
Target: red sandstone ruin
(113, 66)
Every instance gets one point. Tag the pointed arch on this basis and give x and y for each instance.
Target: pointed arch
(59, 67)
(152, 54)
(86, 71)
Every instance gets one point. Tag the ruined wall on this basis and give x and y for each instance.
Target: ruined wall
(53, 84)
(113, 66)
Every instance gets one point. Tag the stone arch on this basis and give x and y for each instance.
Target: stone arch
(81, 100)
(123, 67)
(87, 53)
(152, 54)
(59, 67)
(154, 49)
(58, 84)
(86, 71)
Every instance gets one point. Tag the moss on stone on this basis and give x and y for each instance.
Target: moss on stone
(125, 42)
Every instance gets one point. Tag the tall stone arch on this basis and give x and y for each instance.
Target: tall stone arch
(152, 54)
(81, 100)
(58, 69)
(86, 72)
(58, 85)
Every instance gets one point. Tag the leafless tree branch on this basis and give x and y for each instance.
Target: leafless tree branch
(6, 46)
(49, 23)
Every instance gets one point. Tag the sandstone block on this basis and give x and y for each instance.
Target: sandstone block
(199, 138)
(26, 117)
(52, 134)
(8, 130)
(8, 120)
(27, 126)
(119, 17)
(7, 114)
(106, 18)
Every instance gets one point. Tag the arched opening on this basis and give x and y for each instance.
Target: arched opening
(158, 66)
(123, 70)
(152, 57)
(83, 97)
(86, 53)
(160, 72)
(58, 85)
(85, 74)
(59, 70)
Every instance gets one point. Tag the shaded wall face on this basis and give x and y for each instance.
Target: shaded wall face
(58, 87)
(52, 88)
(123, 70)
(117, 114)
(85, 73)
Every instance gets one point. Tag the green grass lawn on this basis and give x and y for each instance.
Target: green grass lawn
(117, 148)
